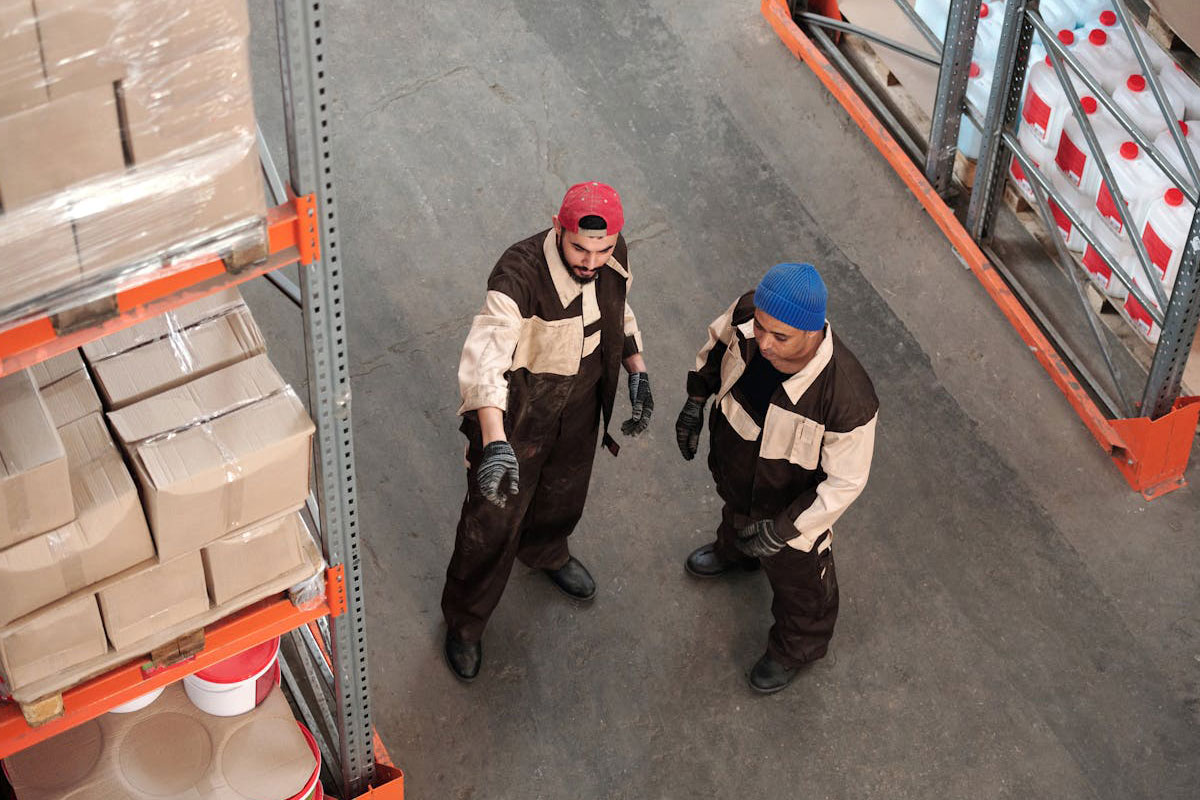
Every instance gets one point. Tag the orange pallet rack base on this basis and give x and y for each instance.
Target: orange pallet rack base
(1151, 454)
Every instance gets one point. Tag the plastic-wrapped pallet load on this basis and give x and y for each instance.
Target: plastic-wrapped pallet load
(127, 145)
(172, 749)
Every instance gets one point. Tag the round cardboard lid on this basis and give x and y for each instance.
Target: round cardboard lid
(243, 666)
(165, 755)
(60, 762)
(267, 758)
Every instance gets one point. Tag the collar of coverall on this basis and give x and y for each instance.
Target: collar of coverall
(567, 287)
(798, 384)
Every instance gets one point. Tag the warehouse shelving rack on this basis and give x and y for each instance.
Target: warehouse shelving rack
(1147, 427)
(328, 677)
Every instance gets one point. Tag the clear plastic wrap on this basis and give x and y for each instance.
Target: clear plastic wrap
(127, 145)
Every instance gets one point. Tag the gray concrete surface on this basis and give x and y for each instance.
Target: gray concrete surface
(1015, 622)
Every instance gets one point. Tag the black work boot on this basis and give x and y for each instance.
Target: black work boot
(705, 563)
(769, 676)
(573, 580)
(463, 658)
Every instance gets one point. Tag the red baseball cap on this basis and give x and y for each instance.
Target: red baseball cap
(592, 198)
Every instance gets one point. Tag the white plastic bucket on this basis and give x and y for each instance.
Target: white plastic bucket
(1139, 180)
(312, 789)
(236, 685)
(1165, 231)
(1136, 99)
(137, 703)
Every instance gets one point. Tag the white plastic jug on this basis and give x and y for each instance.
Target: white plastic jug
(1165, 144)
(1107, 21)
(1143, 323)
(1088, 10)
(1069, 232)
(979, 86)
(1139, 180)
(1100, 270)
(987, 34)
(1135, 98)
(1044, 108)
(1058, 14)
(1074, 157)
(1165, 231)
(934, 13)
(1102, 61)
(1038, 153)
(1174, 78)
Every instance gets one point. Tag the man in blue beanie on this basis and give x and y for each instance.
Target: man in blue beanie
(792, 432)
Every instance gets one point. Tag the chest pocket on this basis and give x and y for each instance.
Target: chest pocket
(549, 346)
(791, 436)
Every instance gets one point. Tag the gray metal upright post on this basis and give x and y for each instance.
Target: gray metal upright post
(1007, 86)
(302, 57)
(951, 94)
(1178, 330)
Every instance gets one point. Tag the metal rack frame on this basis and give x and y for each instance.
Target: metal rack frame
(1148, 436)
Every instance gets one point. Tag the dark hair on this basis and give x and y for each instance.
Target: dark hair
(593, 223)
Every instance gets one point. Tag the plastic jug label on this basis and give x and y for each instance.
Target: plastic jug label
(1018, 175)
(1060, 219)
(1070, 159)
(1159, 252)
(1097, 266)
(1108, 209)
(1137, 312)
(1036, 114)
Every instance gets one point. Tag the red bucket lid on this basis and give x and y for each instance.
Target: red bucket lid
(243, 666)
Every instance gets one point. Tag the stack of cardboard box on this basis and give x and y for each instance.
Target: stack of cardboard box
(179, 504)
(127, 137)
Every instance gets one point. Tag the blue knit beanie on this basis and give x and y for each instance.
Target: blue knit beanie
(794, 294)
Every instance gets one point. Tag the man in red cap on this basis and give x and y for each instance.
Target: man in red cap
(539, 371)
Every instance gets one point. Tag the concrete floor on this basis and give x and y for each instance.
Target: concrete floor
(1015, 622)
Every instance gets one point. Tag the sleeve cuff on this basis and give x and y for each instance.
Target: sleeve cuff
(697, 386)
(484, 397)
(632, 346)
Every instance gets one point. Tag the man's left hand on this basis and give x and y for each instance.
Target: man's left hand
(642, 402)
(759, 539)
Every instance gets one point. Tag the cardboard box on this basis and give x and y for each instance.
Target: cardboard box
(87, 43)
(163, 364)
(55, 369)
(155, 328)
(152, 598)
(22, 79)
(65, 142)
(252, 557)
(108, 535)
(55, 638)
(35, 486)
(72, 398)
(238, 453)
(37, 256)
(183, 108)
(170, 749)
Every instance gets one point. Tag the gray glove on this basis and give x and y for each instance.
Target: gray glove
(759, 539)
(498, 461)
(642, 402)
(688, 425)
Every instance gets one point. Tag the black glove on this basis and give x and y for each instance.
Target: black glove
(688, 425)
(759, 539)
(642, 402)
(498, 460)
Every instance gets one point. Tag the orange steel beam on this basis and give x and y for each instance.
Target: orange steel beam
(777, 15)
(291, 236)
(228, 637)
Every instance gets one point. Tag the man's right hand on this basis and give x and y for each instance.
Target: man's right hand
(688, 426)
(498, 461)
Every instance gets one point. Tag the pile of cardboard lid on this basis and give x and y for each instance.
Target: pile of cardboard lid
(127, 143)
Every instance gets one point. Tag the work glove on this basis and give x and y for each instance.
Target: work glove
(688, 425)
(642, 402)
(759, 539)
(498, 461)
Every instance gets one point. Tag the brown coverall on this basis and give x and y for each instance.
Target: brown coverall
(801, 464)
(547, 351)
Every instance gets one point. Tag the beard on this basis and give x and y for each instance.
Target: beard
(575, 276)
